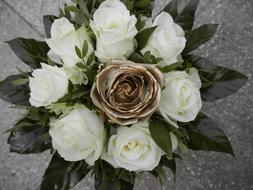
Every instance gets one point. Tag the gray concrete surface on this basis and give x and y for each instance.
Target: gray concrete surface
(232, 47)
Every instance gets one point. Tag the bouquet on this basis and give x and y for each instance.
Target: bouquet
(115, 91)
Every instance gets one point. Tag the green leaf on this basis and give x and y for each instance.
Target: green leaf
(61, 174)
(186, 18)
(205, 134)
(147, 57)
(27, 137)
(73, 9)
(199, 36)
(85, 48)
(15, 94)
(91, 58)
(78, 52)
(83, 7)
(143, 37)
(106, 183)
(20, 81)
(136, 57)
(142, 4)
(48, 21)
(172, 9)
(171, 164)
(161, 135)
(159, 173)
(109, 178)
(92, 72)
(171, 67)
(30, 51)
(129, 4)
(222, 81)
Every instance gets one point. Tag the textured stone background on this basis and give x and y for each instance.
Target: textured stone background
(232, 47)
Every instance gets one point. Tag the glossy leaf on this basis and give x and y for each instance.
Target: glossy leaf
(172, 9)
(48, 21)
(161, 135)
(13, 93)
(62, 175)
(27, 137)
(143, 37)
(199, 36)
(186, 18)
(221, 81)
(205, 134)
(30, 51)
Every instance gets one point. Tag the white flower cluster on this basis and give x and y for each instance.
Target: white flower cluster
(79, 134)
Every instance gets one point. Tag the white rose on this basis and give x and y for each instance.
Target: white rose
(47, 85)
(78, 135)
(133, 148)
(167, 41)
(181, 100)
(63, 40)
(115, 30)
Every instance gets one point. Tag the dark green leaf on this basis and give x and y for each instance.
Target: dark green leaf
(85, 48)
(223, 81)
(105, 183)
(61, 175)
(27, 137)
(92, 72)
(142, 4)
(30, 51)
(81, 65)
(160, 173)
(140, 24)
(91, 58)
(186, 18)
(143, 37)
(15, 94)
(199, 36)
(205, 134)
(109, 178)
(161, 135)
(136, 57)
(129, 4)
(171, 8)
(78, 52)
(48, 21)
(147, 57)
(171, 67)
(171, 164)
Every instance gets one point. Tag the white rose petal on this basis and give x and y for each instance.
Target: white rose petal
(167, 41)
(115, 30)
(63, 40)
(181, 100)
(78, 135)
(133, 148)
(47, 85)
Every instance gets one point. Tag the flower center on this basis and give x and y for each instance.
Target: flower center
(136, 145)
